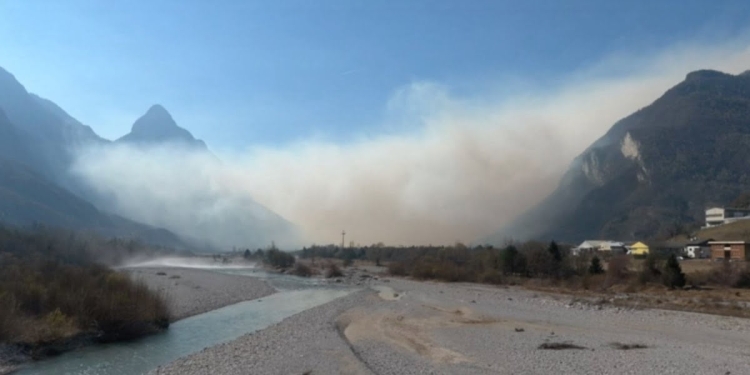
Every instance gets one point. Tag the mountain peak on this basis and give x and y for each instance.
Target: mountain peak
(158, 126)
(157, 110)
(156, 118)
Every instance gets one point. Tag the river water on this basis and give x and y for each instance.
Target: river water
(192, 334)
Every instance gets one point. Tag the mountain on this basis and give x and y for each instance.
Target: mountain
(49, 133)
(13, 144)
(211, 216)
(653, 174)
(158, 127)
(39, 144)
(27, 198)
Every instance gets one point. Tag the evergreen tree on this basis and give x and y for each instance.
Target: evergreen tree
(673, 276)
(555, 251)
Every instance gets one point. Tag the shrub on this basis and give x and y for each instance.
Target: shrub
(397, 269)
(423, 268)
(347, 262)
(279, 259)
(673, 276)
(332, 270)
(490, 277)
(596, 266)
(650, 269)
(513, 262)
(540, 261)
(302, 270)
(617, 269)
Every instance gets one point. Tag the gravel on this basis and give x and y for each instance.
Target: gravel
(306, 343)
(195, 291)
(439, 328)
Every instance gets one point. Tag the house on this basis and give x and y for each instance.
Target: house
(617, 247)
(698, 248)
(639, 248)
(730, 250)
(587, 246)
(598, 245)
(719, 215)
(667, 248)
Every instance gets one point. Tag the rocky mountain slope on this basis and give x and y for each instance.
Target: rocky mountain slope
(39, 143)
(654, 172)
(49, 133)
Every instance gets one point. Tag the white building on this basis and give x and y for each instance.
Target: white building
(598, 245)
(719, 215)
(698, 249)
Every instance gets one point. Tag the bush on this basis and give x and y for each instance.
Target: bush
(513, 262)
(540, 261)
(279, 259)
(673, 276)
(57, 301)
(650, 269)
(302, 270)
(332, 270)
(490, 277)
(347, 262)
(397, 269)
(596, 266)
(617, 269)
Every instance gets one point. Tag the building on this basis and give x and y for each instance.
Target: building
(718, 215)
(698, 248)
(638, 248)
(587, 247)
(598, 245)
(730, 250)
(667, 248)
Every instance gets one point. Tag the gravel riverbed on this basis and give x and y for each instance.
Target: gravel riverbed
(409, 327)
(194, 291)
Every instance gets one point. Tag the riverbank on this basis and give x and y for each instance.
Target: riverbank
(187, 292)
(410, 327)
(191, 291)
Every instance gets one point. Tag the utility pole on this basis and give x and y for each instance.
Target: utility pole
(343, 234)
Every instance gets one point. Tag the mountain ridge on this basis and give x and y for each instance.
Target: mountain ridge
(40, 142)
(654, 171)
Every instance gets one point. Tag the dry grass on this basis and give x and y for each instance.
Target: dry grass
(713, 296)
(737, 231)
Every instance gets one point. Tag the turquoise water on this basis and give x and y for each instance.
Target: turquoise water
(192, 334)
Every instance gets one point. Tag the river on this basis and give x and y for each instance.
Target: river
(192, 334)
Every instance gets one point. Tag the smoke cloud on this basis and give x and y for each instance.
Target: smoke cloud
(464, 167)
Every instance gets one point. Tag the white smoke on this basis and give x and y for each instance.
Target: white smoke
(463, 169)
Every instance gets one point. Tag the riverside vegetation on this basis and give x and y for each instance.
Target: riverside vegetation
(56, 293)
(533, 260)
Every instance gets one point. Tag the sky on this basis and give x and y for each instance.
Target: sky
(238, 73)
(409, 122)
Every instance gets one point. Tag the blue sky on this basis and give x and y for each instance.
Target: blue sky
(237, 73)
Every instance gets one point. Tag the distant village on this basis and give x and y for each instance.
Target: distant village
(694, 248)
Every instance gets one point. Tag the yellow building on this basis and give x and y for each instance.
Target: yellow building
(639, 248)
